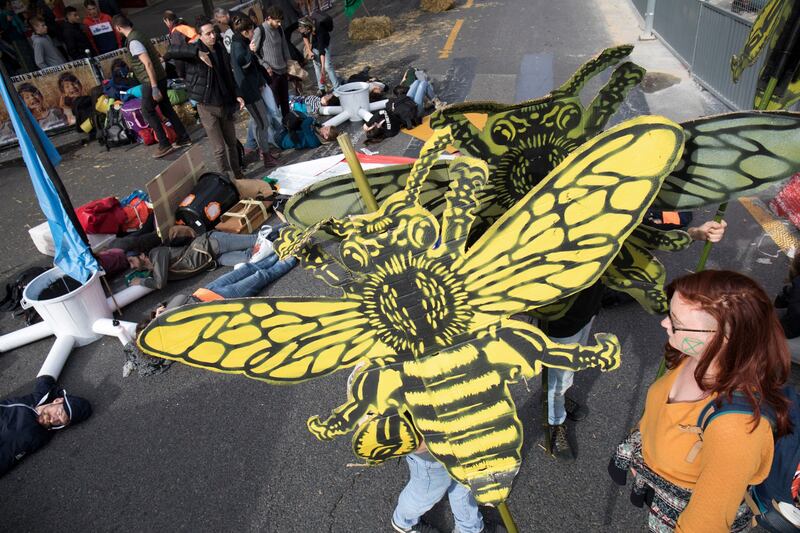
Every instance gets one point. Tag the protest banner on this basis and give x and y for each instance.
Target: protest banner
(49, 94)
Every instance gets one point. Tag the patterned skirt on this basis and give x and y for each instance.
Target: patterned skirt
(665, 500)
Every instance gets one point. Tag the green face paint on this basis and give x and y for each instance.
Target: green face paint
(691, 346)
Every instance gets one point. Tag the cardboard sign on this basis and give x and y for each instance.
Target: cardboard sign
(167, 189)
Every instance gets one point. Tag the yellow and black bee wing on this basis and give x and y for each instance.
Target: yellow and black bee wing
(339, 197)
(727, 156)
(385, 437)
(766, 28)
(279, 341)
(563, 234)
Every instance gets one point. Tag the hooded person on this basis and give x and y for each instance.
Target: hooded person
(28, 422)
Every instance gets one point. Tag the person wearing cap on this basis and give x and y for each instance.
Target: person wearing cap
(316, 31)
(27, 422)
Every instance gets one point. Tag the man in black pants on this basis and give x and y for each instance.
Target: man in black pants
(149, 71)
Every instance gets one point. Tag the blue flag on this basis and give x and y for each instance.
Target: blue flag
(73, 255)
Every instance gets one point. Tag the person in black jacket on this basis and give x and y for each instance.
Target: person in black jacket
(27, 422)
(209, 82)
(75, 40)
(179, 33)
(250, 81)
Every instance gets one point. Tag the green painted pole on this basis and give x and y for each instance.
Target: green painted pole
(508, 520)
(358, 173)
(701, 265)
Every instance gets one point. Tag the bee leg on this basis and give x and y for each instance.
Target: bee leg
(469, 176)
(637, 272)
(366, 397)
(605, 354)
(526, 349)
(624, 78)
(593, 67)
(422, 167)
(298, 243)
(651, 238)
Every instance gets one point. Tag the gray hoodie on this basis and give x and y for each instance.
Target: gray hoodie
(45, 52)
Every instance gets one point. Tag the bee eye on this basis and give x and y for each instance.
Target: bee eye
(421, 232)
(354, 255)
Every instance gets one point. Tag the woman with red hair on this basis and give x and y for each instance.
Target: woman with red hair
(724, 340)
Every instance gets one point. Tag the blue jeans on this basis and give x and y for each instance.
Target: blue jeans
(275, 121)
(232, 248)
(559, 381)
(251, 278)
(418, 91)
(428, 483)
(328, 69)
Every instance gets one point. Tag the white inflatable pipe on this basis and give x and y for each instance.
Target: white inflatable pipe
(330, 110)
(24, 336)
(124, 331)
(341, 118)
(128, 295)
(365, 115)
(376, 106)
(57, 356)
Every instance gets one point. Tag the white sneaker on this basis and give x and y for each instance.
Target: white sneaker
(261, 250)
(264, 231)
(237, 266)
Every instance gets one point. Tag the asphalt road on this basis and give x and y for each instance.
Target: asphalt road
(196, 451)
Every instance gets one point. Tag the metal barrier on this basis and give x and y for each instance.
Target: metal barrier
(704, 37)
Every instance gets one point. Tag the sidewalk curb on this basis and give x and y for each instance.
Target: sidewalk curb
(13, 155)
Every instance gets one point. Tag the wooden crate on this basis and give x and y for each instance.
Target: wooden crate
(245, 217)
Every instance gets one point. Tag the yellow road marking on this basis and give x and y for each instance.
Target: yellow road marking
(469, 4)
(771, 226)
(451, 40)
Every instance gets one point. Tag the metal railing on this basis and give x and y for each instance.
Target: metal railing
(704, 36)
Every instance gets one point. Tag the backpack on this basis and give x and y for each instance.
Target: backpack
(13, 296)
(131, 112)
(406, 110)
(104, 216)
(777, 488)
(148, 135)
(115, 131)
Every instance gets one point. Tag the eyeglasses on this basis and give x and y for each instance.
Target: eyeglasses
(674, 329)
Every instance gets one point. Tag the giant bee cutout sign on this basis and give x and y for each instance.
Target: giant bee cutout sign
(427, 316)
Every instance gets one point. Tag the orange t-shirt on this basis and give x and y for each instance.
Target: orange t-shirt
(731, 458)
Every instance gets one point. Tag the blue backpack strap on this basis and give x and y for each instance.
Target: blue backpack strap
(738, 404)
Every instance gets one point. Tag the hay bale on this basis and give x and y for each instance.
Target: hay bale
(186, 113)
(436, 6)
(370, 28)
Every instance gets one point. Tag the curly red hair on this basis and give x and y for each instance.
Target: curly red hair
(749, 349)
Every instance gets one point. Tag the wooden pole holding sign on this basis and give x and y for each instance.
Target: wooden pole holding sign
(358, 173)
